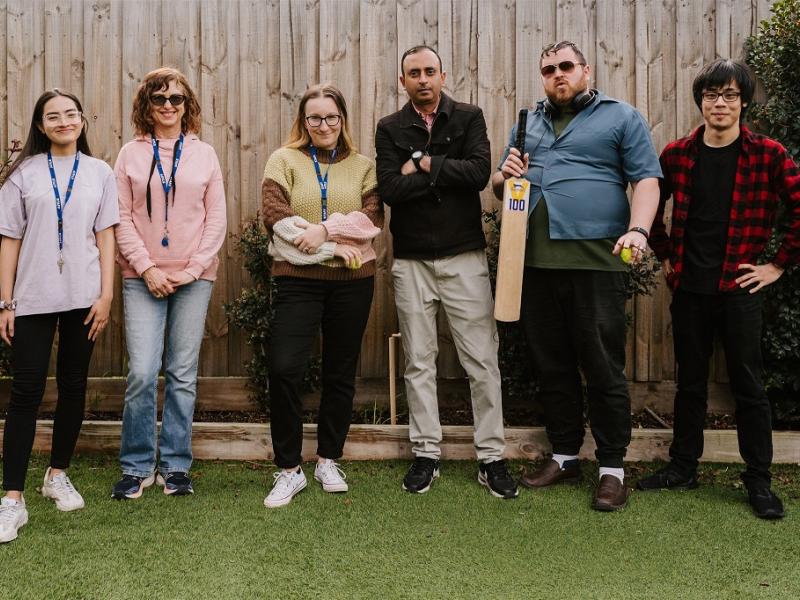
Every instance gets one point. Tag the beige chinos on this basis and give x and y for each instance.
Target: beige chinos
(460, 285)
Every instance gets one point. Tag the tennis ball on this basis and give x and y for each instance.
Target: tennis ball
(626, 255)
(354, 264)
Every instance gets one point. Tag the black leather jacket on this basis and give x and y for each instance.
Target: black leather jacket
(438, 213)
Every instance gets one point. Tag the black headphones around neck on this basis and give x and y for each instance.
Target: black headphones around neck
(578, 103)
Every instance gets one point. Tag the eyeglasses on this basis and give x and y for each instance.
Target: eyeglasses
(71, 116)
(728, 96)
(174, 100)
(565, 66)
(330, 120)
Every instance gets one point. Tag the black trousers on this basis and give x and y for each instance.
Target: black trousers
(737, 318)
(574, 321)
(302, 306)
(30, 355)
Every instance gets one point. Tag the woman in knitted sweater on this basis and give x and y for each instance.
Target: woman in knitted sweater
(321, 208)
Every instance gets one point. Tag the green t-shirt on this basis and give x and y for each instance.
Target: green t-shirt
(544, 253)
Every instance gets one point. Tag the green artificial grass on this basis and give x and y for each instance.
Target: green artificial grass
(377, 541)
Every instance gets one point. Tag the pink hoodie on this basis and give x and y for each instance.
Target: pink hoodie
(197, 217)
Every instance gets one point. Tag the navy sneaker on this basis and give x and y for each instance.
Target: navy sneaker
(765, 504)
(420, 476)
(176, 484)
(495, 476)
(131, 487)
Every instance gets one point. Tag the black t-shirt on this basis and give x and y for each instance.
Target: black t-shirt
(713, 177)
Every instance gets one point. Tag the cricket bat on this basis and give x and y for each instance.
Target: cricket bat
(513, 227)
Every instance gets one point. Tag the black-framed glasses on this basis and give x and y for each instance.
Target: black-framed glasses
(330, 120)
(729, 96)
(565, 66)
(161, 100)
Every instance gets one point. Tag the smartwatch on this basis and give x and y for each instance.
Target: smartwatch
(416, 157)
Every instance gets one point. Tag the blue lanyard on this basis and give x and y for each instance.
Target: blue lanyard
(323, 181)
(167, 185)
(59, 207)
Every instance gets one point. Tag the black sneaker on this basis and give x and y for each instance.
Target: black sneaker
(668, 478)
(495, 476)
(176, 484)
(130, 487)
(420, 476)
(766, 505)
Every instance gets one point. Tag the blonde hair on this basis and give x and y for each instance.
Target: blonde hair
(299, 137)
(158, 80)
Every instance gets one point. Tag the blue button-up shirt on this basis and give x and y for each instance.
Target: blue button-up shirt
(584, 173)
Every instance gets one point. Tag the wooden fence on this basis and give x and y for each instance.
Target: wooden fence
(250, 61)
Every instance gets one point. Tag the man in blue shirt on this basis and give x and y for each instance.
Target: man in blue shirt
(582, 150)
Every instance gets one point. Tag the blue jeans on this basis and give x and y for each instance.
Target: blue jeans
(182, 317)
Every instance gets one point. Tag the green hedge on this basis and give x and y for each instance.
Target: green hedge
(774, 55)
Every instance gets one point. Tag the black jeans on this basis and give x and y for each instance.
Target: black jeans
(341, 308)
(30, 355)
(738, 320)
(574, 321)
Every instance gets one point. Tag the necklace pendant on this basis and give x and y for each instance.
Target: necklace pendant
(60, 263)
(165, 241)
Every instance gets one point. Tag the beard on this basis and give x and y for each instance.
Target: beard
(563, 95)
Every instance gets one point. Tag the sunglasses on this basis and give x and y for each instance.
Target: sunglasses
(174, 100)
(566, 66)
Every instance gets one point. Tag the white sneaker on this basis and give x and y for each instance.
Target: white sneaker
(330, 476)
(60, 489)
(13, 515)
(287, 485)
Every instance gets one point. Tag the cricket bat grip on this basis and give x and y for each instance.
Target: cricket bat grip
(522, 125)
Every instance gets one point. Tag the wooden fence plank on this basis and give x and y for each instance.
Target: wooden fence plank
(103, 112)
(536, 28)
(180, 41)
(63, 37)
(219, 51)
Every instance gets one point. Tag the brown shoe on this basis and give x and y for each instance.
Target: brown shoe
(550, 473)
(611, 494)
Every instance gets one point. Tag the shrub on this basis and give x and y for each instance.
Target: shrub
(773, 54)
(253, 312)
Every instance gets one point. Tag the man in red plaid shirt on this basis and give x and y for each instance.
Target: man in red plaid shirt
(726, 183)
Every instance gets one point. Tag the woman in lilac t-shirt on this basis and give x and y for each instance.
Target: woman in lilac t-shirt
(172, 224)
(58, 207)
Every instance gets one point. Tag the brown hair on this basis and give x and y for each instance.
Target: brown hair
(156, 81)
(553, 48)
(299, 137)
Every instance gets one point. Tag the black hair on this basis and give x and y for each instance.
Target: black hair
(37, 141)
(717, 74)
(553, 48)
(415, 50)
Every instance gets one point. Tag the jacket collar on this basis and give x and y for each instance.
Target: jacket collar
(409, 116)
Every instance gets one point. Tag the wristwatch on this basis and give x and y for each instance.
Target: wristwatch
(416, 158)
(8, 305)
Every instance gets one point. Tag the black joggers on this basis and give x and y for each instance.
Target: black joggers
(30, 351)
(302, 306)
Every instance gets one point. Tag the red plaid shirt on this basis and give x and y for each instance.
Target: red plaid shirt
(765, 174)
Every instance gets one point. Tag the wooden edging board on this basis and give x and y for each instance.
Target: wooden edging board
(251, 441)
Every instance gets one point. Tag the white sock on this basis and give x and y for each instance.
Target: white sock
(618, 473)
(562, 458)
(6, 501)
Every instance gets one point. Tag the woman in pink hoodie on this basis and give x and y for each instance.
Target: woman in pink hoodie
(321, 208)
(172, 224)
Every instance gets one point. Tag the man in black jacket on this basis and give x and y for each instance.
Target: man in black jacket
(433, 160)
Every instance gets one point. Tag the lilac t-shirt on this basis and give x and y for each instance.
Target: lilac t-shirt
(28, 212)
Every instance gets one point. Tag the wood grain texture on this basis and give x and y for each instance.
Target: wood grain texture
(251, 60)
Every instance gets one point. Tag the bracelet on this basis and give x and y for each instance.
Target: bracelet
(641, 230)
(8, 305)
